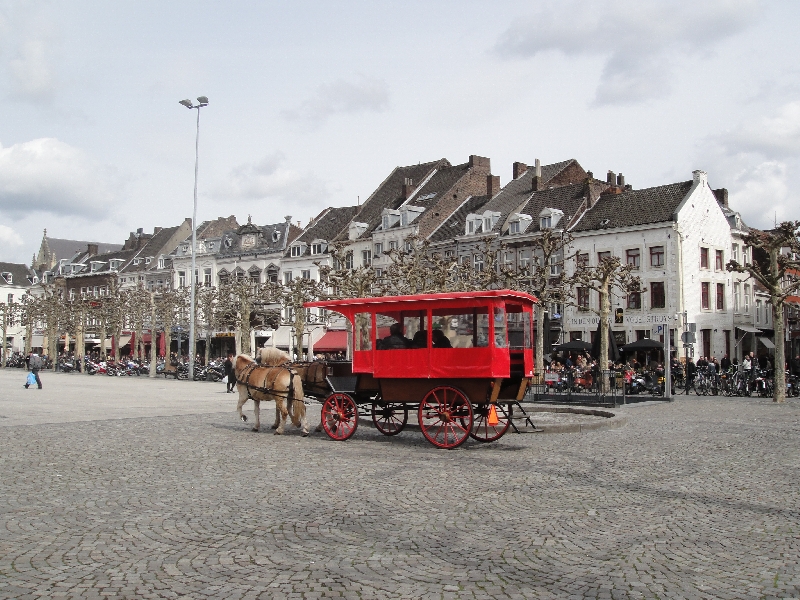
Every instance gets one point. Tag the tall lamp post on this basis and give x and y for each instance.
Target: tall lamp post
(201, 102)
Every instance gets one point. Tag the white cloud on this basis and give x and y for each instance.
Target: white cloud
(270, 179)
(639, 41)
(48, 175)
(9, 237)
(775, 136)
(341, 97)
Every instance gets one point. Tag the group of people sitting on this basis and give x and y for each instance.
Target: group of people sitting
(397, 341)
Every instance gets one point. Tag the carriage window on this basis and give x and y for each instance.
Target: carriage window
(464, 328)
(499, 327)
(402, 330)
(363, 331)
(518, 326)
(526, 328)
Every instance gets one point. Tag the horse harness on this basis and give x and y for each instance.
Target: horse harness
(248, 372)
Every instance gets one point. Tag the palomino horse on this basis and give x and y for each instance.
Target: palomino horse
(313, 375)
(271, 379)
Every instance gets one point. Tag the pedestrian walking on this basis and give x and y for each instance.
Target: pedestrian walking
(230, 377)
(35, 363)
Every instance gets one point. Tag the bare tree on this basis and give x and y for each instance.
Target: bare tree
(242, 301)
(609, 275)
(294, 294)
(775, 265)
(9, 312)
(208, 310)
(170, 304)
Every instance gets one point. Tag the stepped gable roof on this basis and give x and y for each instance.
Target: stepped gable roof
(635, 207)
(19, 274)
(389, 193)
(455, 224)
(517, 191)
(328, 224)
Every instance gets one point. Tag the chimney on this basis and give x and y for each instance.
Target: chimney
(298, 225)
(156, 230)
(479, 162)
(537, 183)
(518, 169)
(722, 196)
(611, 178)
(700, 177)
(621, 180)
(492, 184)
(589, 175)
(92, 249)
(408, 188)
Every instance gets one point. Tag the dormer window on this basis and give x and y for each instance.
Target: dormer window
(184, 248)
(211, 246)
(549, 218)
(390, 218)
(355, 229)
(113, 265)
(409, 213)
(318, 246)
(96, 266)
(296, 250)
(137, 261)
(276, 235)
(8, 277)
(161, 262)
(519, 223)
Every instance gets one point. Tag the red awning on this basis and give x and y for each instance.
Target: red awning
(332, 341)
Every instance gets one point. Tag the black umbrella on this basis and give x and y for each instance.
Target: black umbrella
(613, 352)
(574, 345)
(644, 344)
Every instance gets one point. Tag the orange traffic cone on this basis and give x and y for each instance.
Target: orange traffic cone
(492, 420)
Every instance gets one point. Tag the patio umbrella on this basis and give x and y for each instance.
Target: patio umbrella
(644, 344)
(579, 345)
(613, 352)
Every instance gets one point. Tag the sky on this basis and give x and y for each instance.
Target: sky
(312, 104)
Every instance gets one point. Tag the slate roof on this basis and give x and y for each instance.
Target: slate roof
(62, 248)
(516, 192)
(267, 242)
(328, 224)
(568, 199)
(635, 207)
(153, 248)
(215, 228)
(388, 194)
(19, 274)
(455, 224)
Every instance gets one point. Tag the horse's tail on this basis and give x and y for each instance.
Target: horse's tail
(297, 408)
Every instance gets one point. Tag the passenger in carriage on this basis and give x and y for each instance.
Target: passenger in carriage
(395, 340)
(440, 340)
(420, 339)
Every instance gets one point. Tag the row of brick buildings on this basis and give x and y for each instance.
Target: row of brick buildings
(678, 236)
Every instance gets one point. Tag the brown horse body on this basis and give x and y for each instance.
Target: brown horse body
(271, 379)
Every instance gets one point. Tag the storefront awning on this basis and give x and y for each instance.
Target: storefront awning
(748, 329)
(333, 341)
(284, 334)
(767, 343)
(124, 340)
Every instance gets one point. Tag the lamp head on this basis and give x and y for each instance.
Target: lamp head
(186, 103)
(203, 100)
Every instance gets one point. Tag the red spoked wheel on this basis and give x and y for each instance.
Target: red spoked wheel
(389, 417)
(445, 417)
(481, 430)
(339, 416)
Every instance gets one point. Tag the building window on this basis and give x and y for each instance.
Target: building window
(555, 266)
(207, 277)
(582, 260)
(181, 279)
(366, 258)
(513, 227)
(223, 278)
(296, 251)
(658, 298)
(719, 260)
(449, 253)
(703, 258)
(393, 245)
(160, 263)
(305, 273)
(255, 276)
(348, 261)
(477, 262)
(632, 258)
(758, 311)
(583, 298)
(316, 248)
(737, 296)
(747, 298)
(287, 277)
(408, 247)
(148, 260)
(735, 252)
(545, 222)
(705, 288)
(71, 295)
(601, 256)
(378, 273)
(378, 249)
(657, 256)
(635, 300)
(720, 296)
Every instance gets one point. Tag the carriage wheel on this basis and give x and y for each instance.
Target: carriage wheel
(339, 416)
(481, 430)
(389, 417)
(445, 417)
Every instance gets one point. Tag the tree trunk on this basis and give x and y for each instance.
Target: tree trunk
(605, 309)
(103, 334)
(5, 333)
(299, 330)
(28, 338)
(539, 340)
(153, 337)
(244, 328)
(780, 352)
(80, 345)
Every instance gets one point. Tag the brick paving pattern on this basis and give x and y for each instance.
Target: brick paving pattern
(693, 499)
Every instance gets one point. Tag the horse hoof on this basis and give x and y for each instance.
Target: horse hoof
(244, 418)
(305, 434)
(278, 432)
(274, 427)
(254, 429)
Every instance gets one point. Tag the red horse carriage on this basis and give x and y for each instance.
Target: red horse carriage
(460, 360)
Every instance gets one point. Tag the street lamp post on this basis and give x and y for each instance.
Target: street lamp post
(201, 102)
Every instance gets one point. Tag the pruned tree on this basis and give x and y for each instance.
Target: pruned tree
(242, 301)
(170, 305)
(294, 294)
(9, 313)
(207, 298)
(137, 308)
(608, 276)
(541, 271)
(775, 265)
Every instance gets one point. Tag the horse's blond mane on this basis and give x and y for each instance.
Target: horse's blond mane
(271, 357)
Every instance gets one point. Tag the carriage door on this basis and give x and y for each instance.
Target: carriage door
(519, 340)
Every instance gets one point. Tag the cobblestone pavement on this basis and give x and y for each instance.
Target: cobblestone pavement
(693, 499)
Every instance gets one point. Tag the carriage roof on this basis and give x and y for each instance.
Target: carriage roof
(349, 305)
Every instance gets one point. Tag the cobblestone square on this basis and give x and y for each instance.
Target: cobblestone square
(126, 488)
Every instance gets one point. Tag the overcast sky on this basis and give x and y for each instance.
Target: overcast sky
(312, 104)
